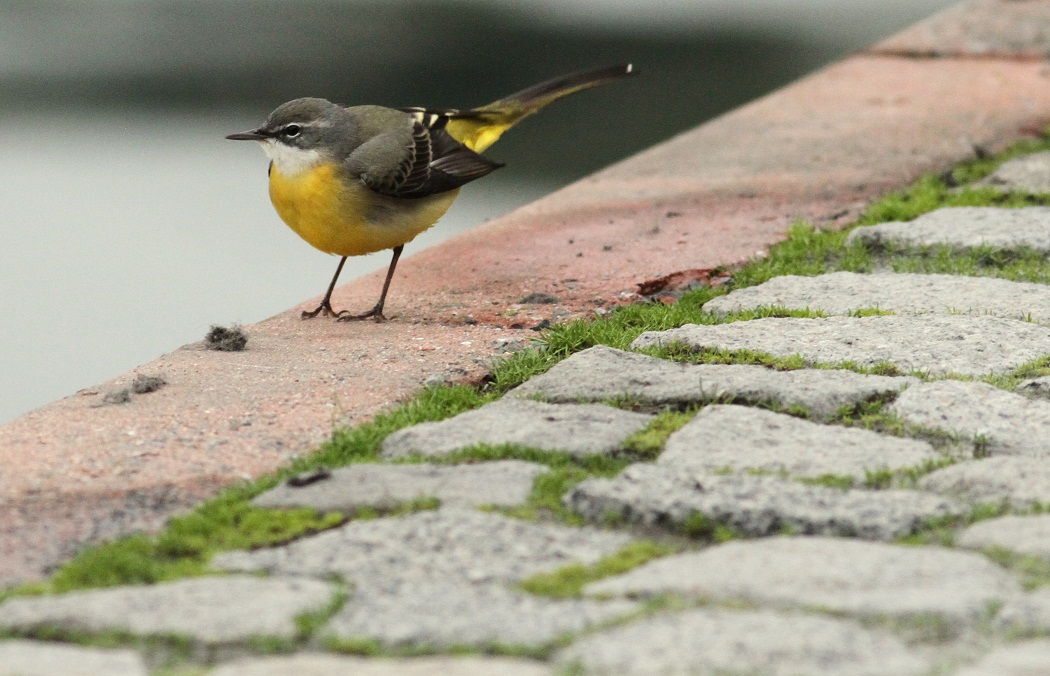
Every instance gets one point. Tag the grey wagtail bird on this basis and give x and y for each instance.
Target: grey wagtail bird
(352, 181)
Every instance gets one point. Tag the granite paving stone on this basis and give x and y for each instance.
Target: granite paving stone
(864, 579)
(712, 641)
(1025, 658)
(1026, 614)
(447, 544)
(314, 664)
(213, 610)
(429, 613)
(1018, 481)
(1029, 534)
(1028, 173)
(1003, 422)
(932, 343)
(39, 658)
(1035, 388)
(505, 483)
(738, 437)
(964, 228)
(842, 293)
(753, 505)
(579, 429)
(602, 373)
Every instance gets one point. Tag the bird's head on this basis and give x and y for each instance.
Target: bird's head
(298, 134)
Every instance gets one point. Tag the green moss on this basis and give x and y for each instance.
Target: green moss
(681, 352)
(272, 645)
(881, 477)
(169, 653)
(1019, 264)
(871, 312)
(985, 511)
(921, 628)
(624, 324)
(570, 580)
(942, 531)
(1034, 571)
(807, 251)
(624, 402)
(237, 525)
(28, 589)
(839, 481)
(545, 499)
(873, 415)
(1032, 369)
(771, 312)
(307, 624)
(710, 355)
(976, 169)
(981, 447)
(365, 647)
(882, 368)
(613, 518)
(185, 546)
(649, 442)
(908, 477)
(517, 368)
(362, 443)
(700, 526)
(133, 560)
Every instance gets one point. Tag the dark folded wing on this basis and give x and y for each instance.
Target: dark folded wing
(433, 161)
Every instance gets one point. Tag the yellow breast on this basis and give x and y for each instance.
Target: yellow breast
(339, 215)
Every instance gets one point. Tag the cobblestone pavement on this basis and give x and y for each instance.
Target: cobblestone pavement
(793, 536)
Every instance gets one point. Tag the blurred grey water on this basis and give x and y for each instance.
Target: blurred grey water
(124, 238)
(128, 225)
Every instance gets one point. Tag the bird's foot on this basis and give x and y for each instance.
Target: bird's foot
(324, 309)
(375, 313)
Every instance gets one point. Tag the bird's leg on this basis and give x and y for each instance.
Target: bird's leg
(325, 307)
(376, 313)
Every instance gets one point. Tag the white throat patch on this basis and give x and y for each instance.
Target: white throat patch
(288, 160)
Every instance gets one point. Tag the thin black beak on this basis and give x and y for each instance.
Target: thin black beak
(251, 135)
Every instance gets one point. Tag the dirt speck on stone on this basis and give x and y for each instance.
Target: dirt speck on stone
(113, 396)
(301, 480)
(538, 298)
(144, 384)
(225, 339)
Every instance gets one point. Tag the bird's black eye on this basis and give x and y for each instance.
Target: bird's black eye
(291, 131)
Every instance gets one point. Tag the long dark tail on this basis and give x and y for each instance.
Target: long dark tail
(479, 128)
